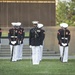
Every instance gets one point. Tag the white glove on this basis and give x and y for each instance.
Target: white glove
(41, 45)
(30, 46)
(13, 42)
(20, 42)
(64, 44)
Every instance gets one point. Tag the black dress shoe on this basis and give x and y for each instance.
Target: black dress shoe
(61, 59)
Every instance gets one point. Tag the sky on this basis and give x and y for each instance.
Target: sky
(66, 0)
(62, 0)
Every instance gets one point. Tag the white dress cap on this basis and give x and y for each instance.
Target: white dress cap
(13, 23)
(40, 25)
(35, 22)
(18, 23)
(64, 25)
(61, 25)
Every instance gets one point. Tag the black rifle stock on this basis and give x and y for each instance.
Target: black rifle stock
(63, 52)
(12, 52)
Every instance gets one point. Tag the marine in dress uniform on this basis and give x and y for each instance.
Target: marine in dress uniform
(34, 43)
(63, 37)
(13, 41)
(21, 34)
(41, 40)
(0, 35)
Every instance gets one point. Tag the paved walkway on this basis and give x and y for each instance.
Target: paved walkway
(26, 42)
(48, 57)
(6, 41)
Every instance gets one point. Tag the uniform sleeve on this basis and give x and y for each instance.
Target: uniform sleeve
(9, 34)
(0, 32)
(30, 37)
(58, 35)
(69, 37)
(23, 34)
(43, 35)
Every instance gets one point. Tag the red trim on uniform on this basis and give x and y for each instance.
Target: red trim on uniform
(58, 33)
(69, 33)
(0, 30)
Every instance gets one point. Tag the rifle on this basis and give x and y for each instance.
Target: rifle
(36, 34)
(12, 52)
(63, 53)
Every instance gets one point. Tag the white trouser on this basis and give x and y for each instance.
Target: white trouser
(15, 52)
(35, 54)
(20, 49)
(64, 53)
(40, 52)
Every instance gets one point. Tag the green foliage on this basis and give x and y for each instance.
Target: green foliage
(65, 12)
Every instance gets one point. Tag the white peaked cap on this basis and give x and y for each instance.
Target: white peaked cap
(18, 23)
(35, 22)
(64, 25)
(61, 25)
(13, 23)
(40, 25)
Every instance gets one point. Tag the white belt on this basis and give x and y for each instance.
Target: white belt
(64, 44)
(13, 42)
(64, 38)
(13, 36)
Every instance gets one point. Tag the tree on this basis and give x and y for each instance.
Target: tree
(65, 12)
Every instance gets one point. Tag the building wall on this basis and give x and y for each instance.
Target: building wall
(26, 12)
(51, 42)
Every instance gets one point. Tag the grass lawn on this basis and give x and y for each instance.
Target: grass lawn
(5, 33)
(46, 67)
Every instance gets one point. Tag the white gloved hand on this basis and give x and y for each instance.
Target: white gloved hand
(30, 46)
(41, 45)
(13, 42)
(20, 42)
(64, 44)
